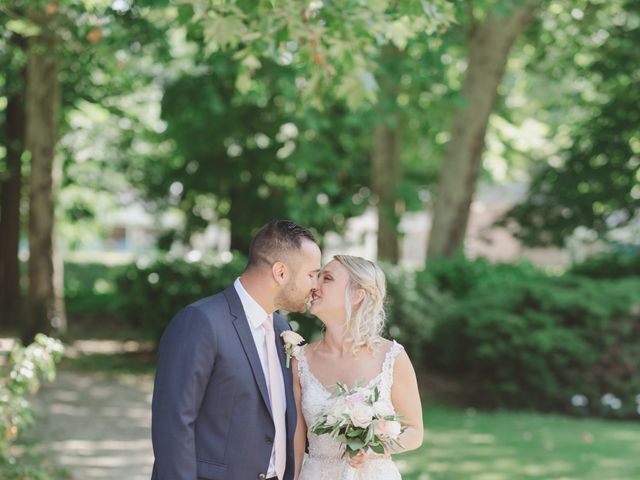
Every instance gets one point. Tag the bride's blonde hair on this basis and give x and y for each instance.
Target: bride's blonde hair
(366, 321)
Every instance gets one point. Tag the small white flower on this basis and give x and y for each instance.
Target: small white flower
(611, 401)
(579, 401)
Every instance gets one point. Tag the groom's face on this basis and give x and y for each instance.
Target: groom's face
(304, 266)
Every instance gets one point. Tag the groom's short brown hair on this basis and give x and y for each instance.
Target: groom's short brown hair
(274, 240)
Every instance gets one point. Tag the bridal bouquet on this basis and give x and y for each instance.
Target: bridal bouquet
(359, 420)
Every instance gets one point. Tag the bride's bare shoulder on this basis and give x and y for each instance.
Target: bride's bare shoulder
(311, 346)
(385, 344)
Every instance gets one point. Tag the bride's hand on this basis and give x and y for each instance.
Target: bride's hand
(362, 457)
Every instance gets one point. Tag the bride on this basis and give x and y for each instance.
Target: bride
(349, 302)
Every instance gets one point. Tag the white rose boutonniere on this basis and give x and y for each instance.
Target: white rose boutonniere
(291, 340)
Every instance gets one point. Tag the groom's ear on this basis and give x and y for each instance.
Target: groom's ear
(280, 273)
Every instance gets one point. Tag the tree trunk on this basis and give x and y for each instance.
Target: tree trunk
(489, 46)
(57, 259)
(385, 173)
(43, 104)
(10, 294)
(386, 165)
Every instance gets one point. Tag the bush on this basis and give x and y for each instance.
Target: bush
(90, 288)
(544, 342)
(461, 276)
(152, 294)
(609, 265)
(414, 306)
(20, 374)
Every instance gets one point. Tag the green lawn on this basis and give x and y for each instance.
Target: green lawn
(465, 444)
(507, 446)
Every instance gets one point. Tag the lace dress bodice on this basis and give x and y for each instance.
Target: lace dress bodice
(324, 460)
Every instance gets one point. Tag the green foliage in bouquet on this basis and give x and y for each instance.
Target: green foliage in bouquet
(354, 419)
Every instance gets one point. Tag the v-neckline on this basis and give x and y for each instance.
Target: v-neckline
(369, 384)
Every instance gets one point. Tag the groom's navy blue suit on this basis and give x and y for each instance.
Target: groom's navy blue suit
(211, 414)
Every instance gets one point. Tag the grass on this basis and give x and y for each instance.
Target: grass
(109, 363)
(467, 444)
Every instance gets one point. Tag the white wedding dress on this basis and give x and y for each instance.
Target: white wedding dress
(324, 460)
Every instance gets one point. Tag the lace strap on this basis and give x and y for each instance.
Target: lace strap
(389, 360)
(299, 354)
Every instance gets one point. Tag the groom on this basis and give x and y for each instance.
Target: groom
(223, 405)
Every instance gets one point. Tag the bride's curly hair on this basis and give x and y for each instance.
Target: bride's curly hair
(366, 321)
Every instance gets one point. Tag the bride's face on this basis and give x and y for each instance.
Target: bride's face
(328, 300)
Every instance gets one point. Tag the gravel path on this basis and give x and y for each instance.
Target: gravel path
(97, 426)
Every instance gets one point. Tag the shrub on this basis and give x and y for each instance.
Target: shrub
(609, 265)
(90, 288)
(543, 342)
(461, 276)
(20, 374)
(414, 305)
(153, 293)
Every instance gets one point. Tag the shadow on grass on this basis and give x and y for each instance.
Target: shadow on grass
(465, 445)
(141, 362)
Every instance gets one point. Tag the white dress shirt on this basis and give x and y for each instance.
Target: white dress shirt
(256, 315)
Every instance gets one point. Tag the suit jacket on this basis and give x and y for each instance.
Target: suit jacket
(211, 414)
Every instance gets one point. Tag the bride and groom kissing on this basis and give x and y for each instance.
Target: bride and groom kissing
(228, 404)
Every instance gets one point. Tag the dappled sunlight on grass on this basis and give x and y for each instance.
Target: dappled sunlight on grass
(95, 422)
(464, 445)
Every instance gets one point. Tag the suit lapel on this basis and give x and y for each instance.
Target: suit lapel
(241, 324)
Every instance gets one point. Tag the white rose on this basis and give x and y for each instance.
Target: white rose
(383, 409)
(393, 429)
(361, 415)
(340, 407)
(292, 338)
(333, 419)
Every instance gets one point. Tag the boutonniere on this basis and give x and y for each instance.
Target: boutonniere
(291, 341)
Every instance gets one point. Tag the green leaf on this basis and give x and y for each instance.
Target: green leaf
(377, 448)
(355, 443)
(24, 27)
(224, 31)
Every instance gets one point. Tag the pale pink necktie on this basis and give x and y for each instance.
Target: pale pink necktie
(276, 393)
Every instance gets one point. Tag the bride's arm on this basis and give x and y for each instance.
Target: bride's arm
(406, 401)
(300, 437)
